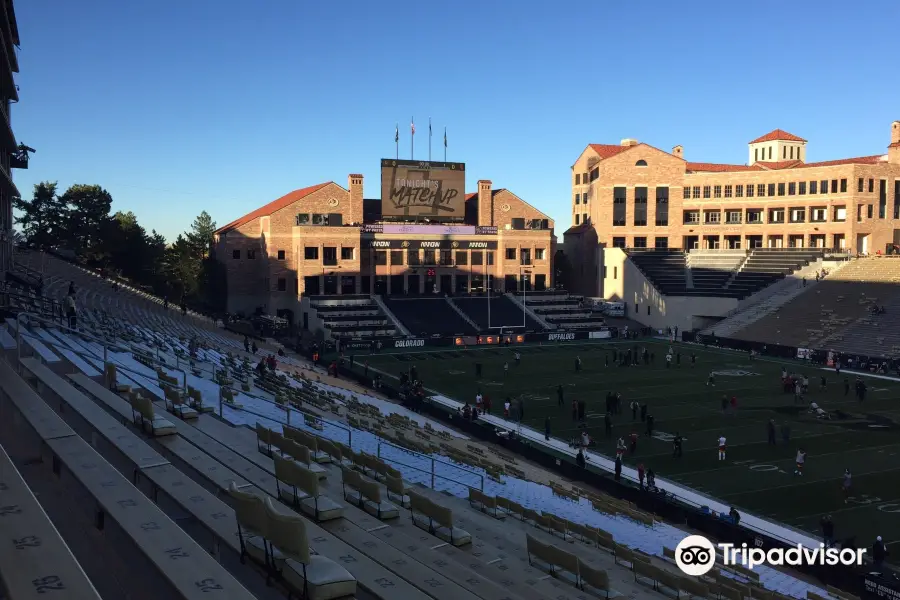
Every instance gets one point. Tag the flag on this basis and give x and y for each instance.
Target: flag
(397, 134)
(445, 137)
(429, 126)
(412, 127)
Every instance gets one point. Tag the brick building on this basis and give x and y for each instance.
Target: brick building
(10, 155)
(330, 240)
(633, 195)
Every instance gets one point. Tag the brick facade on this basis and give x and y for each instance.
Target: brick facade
(617, 189)
(272, 258)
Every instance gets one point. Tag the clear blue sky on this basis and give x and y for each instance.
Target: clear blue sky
(176, 106)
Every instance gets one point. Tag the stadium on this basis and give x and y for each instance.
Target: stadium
(422, 395)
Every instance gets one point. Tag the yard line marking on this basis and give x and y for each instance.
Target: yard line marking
(376, 528)
(490, 562)
(439, 546)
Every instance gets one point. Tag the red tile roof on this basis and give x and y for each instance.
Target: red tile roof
(859, 160)
(608, 150)
(272, 207)
(774, 166)
(718, 168)
(778, 135)
(355, 175)
(894, 145)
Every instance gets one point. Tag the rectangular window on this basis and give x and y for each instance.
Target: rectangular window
(618, 216)
(280, 255)
(381, 257)
(251, 254)
(750, 189)
(510, 254)
(584, 199)
(712, 217)
(823, 186)
(282, 284)
(840, 214)
(717, 191)
(318, 219)
(798, 215)
(870, 211)
(595, 173)
(781, 189)
(897, 199)
(802, 188)
(661, 242)
(490, 258)
(396, 257)
(738, 191)
(754, 215)
(859, 185)
(577, 219)
(784, 152)
(640, 242)
(761, 190)
(818, 214)
(311, 253)
(871, 185)
(813, 187)
(235, 254)
(770, 152)
(477, 258)
(691, 216)
(706, 191)
(346, 253)
(776, 215)
(686, 192)
(640, 206)
(859, 213)
(844, 186)
(834, 186)
(755, 154)
(770, 190)
(662, 206)
(728, 191)
(329, 256)
(412, 258)
(882, 198)
(577, 178)
(462, 258)
(539, 254)
(302, 219)
(577, 199)
(618, 242)
(733, 217)
(792, 189)
(696, 192)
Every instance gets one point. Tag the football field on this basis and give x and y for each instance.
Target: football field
(756, 476)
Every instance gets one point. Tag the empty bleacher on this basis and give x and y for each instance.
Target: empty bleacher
(495, 312)
(766, 266)
(428, 316)
(352, 316)
(563, 310)
(835, 314)
(665, 268)
(711, 271)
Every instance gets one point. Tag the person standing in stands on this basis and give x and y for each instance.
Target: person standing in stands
(72, 288)
(579, 458)
(70, 308)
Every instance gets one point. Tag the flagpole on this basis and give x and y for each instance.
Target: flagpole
(412, 139)
(429, 139)
(397, 140)
(445, 144)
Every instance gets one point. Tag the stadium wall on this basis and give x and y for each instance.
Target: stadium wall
(624, 282)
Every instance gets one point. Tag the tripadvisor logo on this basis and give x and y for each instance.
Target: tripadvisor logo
(734, 373)
(695, 555)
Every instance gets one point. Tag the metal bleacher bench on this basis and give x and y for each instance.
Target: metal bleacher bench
(179, 559)
(35, 561)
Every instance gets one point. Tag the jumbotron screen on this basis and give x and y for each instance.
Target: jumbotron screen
(414, 188)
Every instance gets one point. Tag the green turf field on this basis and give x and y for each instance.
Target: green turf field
(756, 476)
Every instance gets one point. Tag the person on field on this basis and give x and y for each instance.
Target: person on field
(721, 447)
(770, 430)
(801, 460)
(845, 485)
(676, 445)
(577, 364)
(711, 380)
(560, 395)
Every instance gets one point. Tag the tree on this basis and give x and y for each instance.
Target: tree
(200, 237)
(181, 266)
(42, 217)
(87, 208)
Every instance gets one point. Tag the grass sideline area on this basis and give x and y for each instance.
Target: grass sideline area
(755, 476)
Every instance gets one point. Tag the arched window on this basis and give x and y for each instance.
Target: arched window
(641, 163)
